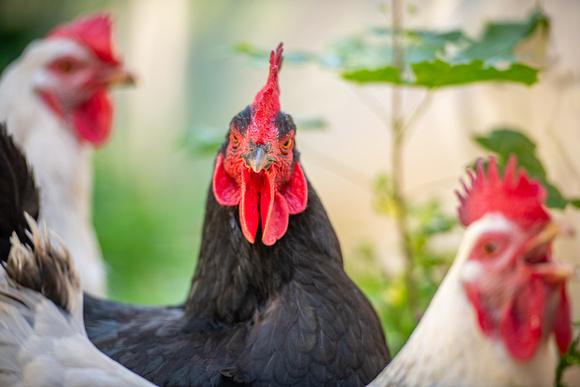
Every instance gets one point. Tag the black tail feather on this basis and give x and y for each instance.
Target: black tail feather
(18, 192)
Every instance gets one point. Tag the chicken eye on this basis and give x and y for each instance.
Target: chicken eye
(489, 248)
(286, 145)
(66, 65)
(235, 141)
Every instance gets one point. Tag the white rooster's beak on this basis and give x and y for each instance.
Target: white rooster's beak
(118, 76)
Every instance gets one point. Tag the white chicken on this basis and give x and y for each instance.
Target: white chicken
(494, 317)
(54, 100)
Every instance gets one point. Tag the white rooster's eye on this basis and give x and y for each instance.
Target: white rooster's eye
(490, 246)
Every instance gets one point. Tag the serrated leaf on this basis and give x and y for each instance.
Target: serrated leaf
(504, 142)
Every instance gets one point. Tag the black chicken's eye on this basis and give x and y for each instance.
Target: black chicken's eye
(286, 145)
(235, 141)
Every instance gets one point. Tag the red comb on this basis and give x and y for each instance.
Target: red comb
(93, 32)
(267, 102)
(516, 196)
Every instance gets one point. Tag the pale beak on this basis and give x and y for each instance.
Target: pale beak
(553, 272)
(118, 76)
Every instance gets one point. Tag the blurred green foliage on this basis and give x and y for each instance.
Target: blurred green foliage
(391, 293)
(432, 59)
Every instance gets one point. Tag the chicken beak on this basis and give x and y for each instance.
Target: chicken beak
(258, 158)
(118, 76)
(551, 272)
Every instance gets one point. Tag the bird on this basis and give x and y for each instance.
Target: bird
(270, 303)
(43, 341)
(55, 100)
(502, 312)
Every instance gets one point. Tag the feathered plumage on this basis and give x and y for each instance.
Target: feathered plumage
(42, 336)
(18, 192)
(270, 303)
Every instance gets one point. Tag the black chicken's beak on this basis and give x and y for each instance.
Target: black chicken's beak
(258, 158)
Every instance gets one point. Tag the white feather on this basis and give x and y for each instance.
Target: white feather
(61, 164)
(42, 344)
(448, 348)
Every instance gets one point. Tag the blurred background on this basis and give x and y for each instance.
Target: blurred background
(200, 62)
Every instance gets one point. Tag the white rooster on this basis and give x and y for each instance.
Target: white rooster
(494, 317)
(54, 100)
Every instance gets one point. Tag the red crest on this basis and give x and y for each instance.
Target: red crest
(516, 196)
(93, 32)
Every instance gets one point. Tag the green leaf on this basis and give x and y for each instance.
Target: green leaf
(389, 74)
(506, 142)
(440, 74)
(500, 40)
(433, 59)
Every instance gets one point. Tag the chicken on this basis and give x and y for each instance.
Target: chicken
(42, 337)
(494, 317)
(270, 303)
(54, 100)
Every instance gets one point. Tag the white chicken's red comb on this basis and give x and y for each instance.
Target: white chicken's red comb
(516, 196)
(93, 32)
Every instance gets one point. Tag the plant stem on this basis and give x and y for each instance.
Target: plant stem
(397, 164)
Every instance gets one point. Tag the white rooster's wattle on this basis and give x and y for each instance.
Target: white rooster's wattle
(502, 312)
(55, 103)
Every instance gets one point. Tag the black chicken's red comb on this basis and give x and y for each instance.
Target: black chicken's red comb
(516, 196)
(267, 102)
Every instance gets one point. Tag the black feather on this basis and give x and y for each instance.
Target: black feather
(18, 192)
(263, 316)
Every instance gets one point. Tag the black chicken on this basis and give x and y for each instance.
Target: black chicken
(275, 310)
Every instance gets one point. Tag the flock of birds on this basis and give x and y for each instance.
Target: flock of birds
(270, 303)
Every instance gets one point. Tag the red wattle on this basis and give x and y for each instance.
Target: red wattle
(274, 213)
(225, 189)
(484, 317)
(522, 323)
(93, 118)
(563, 323)
(296, 191)
(249, 215)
